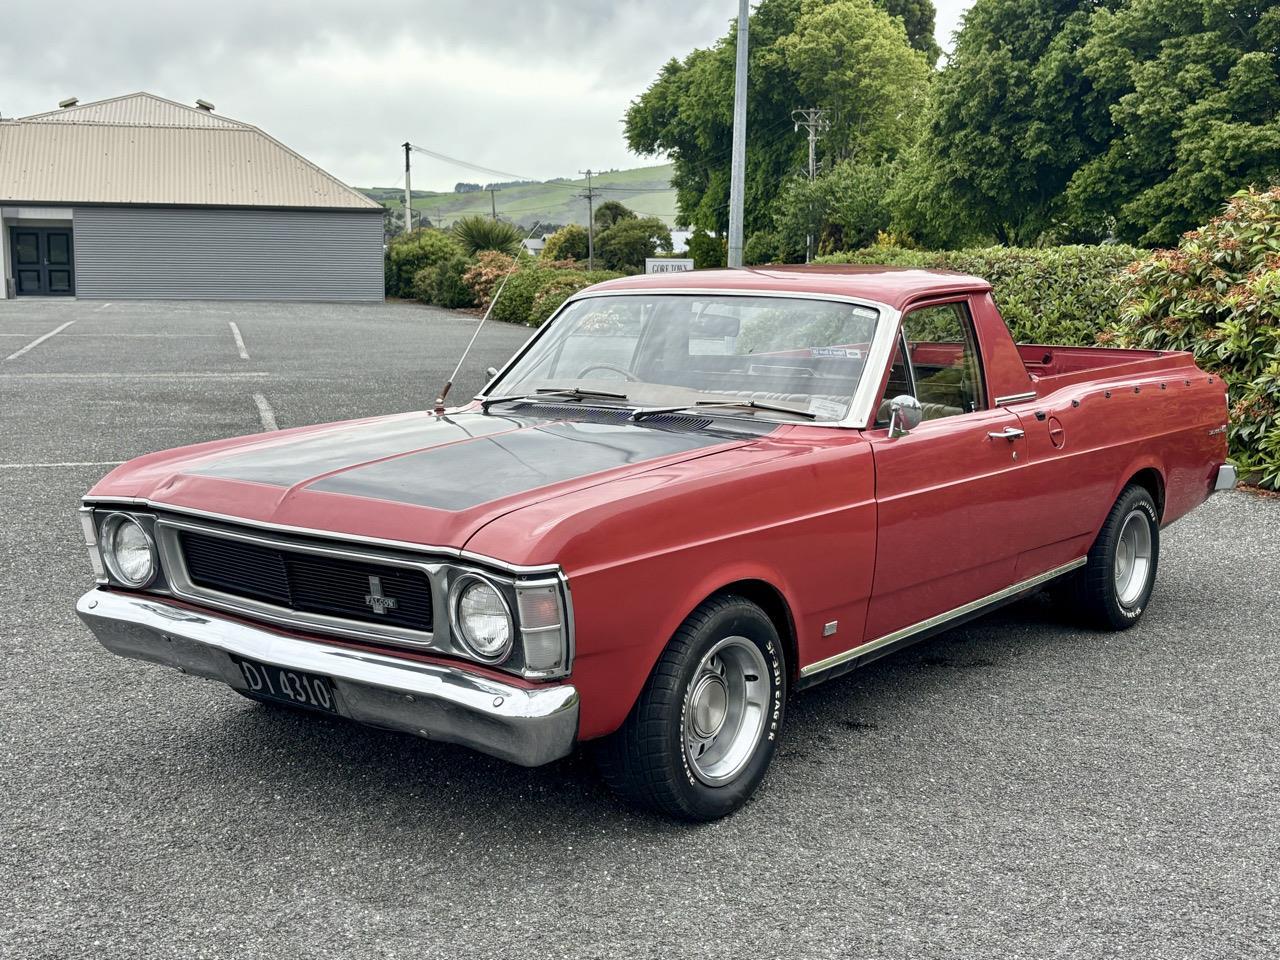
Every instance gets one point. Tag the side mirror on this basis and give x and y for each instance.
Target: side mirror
(905, 414)
(491, 371)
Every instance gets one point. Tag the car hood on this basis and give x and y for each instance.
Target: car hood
(417, 478)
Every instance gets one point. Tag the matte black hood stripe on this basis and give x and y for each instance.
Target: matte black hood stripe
(464, 460)
(469, 474)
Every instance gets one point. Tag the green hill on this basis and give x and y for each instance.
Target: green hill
(646, 190)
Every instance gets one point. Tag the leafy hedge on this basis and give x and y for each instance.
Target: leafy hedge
(1061, 295)
(1218, 295)
(408, 255)
(534, 292)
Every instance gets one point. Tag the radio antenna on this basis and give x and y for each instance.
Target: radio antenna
(439, 409)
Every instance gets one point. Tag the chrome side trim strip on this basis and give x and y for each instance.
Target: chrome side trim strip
(864, 649)
(348, 538)
(1015, 398)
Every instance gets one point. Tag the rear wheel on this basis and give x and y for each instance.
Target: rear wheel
(700, 737)
(1111, 591)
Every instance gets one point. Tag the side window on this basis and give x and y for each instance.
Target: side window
(944, 360)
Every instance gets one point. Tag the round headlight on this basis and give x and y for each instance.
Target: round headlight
(482, 619)
(128, 550)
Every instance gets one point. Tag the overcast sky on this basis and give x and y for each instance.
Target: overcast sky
(535, 88)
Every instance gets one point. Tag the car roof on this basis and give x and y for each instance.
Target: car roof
(893, 286)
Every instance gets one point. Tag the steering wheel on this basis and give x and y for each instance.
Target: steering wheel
(626, 374)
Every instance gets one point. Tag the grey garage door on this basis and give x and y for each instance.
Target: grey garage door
(187, 253)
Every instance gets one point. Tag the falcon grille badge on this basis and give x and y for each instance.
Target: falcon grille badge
(376, 599)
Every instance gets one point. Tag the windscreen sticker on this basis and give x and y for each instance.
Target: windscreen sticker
(827, 409)
(841, 353)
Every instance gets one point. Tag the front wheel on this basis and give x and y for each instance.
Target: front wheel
(699, 739)
(1113, 588)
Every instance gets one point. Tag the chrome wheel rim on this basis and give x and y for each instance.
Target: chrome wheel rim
(725, 707)
(1133, 558)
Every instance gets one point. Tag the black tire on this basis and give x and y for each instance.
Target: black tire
(1092, 594)
(648, 760)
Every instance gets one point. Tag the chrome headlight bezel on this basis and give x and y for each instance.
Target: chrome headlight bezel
(106, 546)
(457, 591)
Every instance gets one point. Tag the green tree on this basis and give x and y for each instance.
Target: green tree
(852, 59)
(919, 19)
(567, 243)
(609, 213)
(1011, 118)
(1195, 95)
(849, 57)
(844, 209)
(626, 244)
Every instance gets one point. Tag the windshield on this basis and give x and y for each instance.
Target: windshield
(657, 350)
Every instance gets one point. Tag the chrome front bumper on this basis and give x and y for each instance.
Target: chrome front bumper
(1226, 478)
(525, 726)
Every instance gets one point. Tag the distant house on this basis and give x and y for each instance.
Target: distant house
(534, 245)
(141, 197)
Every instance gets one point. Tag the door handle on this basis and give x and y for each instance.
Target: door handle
(1008, 433)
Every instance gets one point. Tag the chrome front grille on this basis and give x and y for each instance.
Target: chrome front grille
(368, 592)
(333, 589)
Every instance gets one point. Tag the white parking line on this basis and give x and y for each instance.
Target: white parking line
(103, 307)
(192, 375)
(67, 463)
(265, 413)
(39, 340)
(235, 332)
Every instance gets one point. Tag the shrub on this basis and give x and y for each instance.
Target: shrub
(484, 275)
(762, 247)
(567, 243)
(516, 302)
(407, 255)
(706, 251)
(1218, 295)
(447, 286)
(477, 233)
(557, 289)
(1060, 295)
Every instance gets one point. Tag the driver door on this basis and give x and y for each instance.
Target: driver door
(950, 497)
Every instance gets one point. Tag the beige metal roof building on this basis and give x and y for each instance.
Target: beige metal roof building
(139, 196)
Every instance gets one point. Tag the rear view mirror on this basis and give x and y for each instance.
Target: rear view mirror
(905, 415)
(713, 327)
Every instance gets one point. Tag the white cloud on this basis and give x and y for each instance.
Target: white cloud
(536, 88)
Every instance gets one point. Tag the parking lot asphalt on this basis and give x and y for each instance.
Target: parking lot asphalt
(1015, 788)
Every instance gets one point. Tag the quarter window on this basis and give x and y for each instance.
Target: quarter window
(944, 371)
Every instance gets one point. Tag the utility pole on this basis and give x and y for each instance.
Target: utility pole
(815, 121)
(591, 222)
(738, 172)
(408, 193)
(493, 204)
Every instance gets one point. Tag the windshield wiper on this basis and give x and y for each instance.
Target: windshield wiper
(556, 393)
(703, 404)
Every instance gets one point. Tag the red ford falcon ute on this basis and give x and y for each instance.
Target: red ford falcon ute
(685, 498)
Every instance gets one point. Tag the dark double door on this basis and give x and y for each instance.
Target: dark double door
(43, 261)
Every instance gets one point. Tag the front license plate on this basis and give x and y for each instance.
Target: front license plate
(289, 686)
